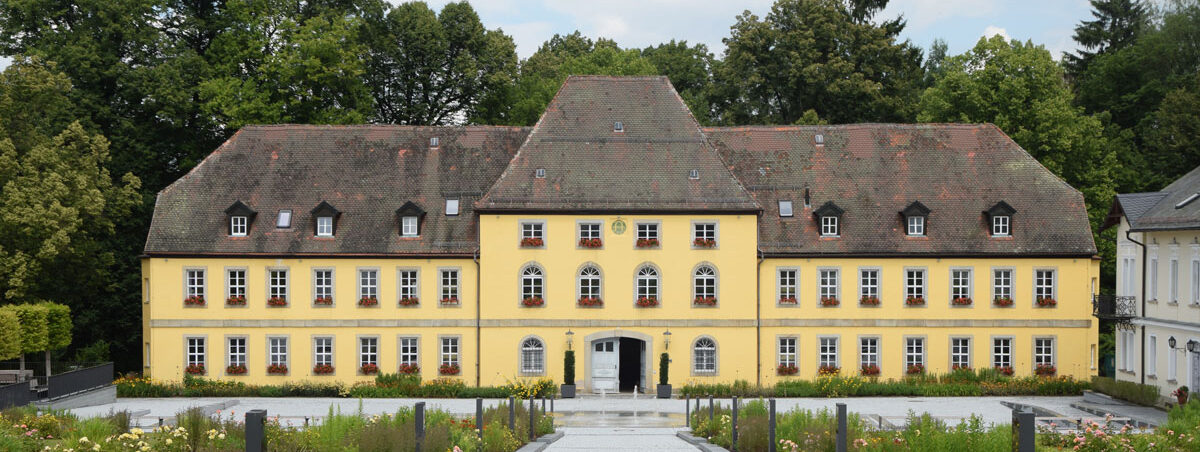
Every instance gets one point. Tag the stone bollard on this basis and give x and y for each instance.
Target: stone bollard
(1023, 431)
(733, 429)
(479, 421)
(771, 425)
(841, 432)
(687, 411)
(512, 415)
(532, 412)
(256, 438)
(711, 409)
(419, 419)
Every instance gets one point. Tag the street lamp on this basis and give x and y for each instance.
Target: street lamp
(667, 338)
(570, 338)
(1171, 342)
(1193, 346)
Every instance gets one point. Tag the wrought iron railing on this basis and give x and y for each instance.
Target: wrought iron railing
(1114, 307)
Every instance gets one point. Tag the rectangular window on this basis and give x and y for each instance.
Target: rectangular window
(827, 352)
(1002, 284)
(237, 352)
(368, 284)
(1151, 277)
(787, 285)
(829, 226)
(195, 283)
(588, 231)
(1043, 284)
(914, 283)
(647, 231)
(368, 351)
(277, 351)
(284, 220)
(236, 283)
(408, 284)
(1173, 280)
(323, 351)
(408, 351)
(706, 232)
(1043, 351)
(960, 352)
(916, 225)
(785, 208)
(960, 283)
(451, 207)
(237, 226)
(324, 226)
(914, 352)
(277, 286)
(868, 284)
(1152, 356)
(1195, 281)
(787, 351)
(827, 284)
(323, 284)
(195, 351)
(1172, 360)
(533, 230)
(408, 226)
(1002, 352)
(1000, 226)
(868, 351)
(449, 283)
(449, 351)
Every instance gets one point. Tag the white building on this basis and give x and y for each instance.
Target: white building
(1158, 242)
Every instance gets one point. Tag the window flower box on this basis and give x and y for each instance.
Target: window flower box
(1003, 302)
(1005, 370)
(869, 300)
(449, 369)
(704, 243)
(368, 301)
(369, 369)
(647, 302)
(239, 369)
(409, 369)
(531, 302)
(787, 369)
(590, 302)
(323, 301)
(1044, 370)
(829, 302)
(1046, 302)
(590, 243)
(705, 301)
(277, 369)
(409, 301)
(787, 300)
(194, 300)
(915, 369)
(647, 243)
(869, 370)
(961, 301)
(828, 370)
(277, 301)
(451, 301)
(532, 242)
(915, 301)
(236, 300)
(958, 367)
(322, 369)
(194, 369)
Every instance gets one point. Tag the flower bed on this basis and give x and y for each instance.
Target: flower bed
(704, 243)
(322, 369)
(1003, 302)
(647, 302)
(1045, 370)
(590, 302)
(409, 369)
(239, 369)
(194, 300)
(787, 369)
(532, 242)
(409, 301)
(277, 301)
(368, 302)
(1046, 302)
(787, 300)
(828, 370)
(531, 302)
(194, 369)
(323, 301)
(915, 301)
(277, 369)
(961, 301)
(869, 370)
(829, 302)
(915, 369)
(705, 301)
(647, 243)
(236, 300)
(869, 301)
(369, 369)
(449, 301)
(590, 243)
(449, 369)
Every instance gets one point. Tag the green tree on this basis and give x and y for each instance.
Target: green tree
(823, 55)
(10, 334)
(1172, 136)
(1116, 25)
(690, 69)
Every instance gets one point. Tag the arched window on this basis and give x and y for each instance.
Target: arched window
(705, 284)
(647, 283)
(704, 356)
(533, 356)
(589, 283)
(532, 283)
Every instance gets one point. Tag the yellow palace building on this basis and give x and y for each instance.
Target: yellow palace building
(617, 226)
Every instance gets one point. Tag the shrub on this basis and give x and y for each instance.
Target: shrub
(10, 334)
(58, 325)
(34, 330)
(664, 365)
(1126, 390)
(569, 367)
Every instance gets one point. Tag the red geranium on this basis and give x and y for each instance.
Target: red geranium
(323, 301)
(194, 300)
(647, 302)
(449, 300)
(829, 301)
(409, 369)
(236, 300)
(238, 369)
(1046, 302)
(195, 369)
(870, 369)
(1005, 370)
(369, 369)
(277, 369)
(705, 301)
(787, 369)
(368, 301)
(915, 369)
(961, 301)
(1044, 370)
(787, 300)
(409, 301)
(531, 242)
(869, 300)
(647, 243)
(914, 301)
(1003, 301)
(828, 370)
(704, 243)
(322, 369)
(590, 243)
(449, 369)
(533, 301)
(277, 301)
(590, 301)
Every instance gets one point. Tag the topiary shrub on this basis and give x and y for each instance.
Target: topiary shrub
(34, 331)
(58, 325)
(569, 367)
(664, 364)
(10, 334)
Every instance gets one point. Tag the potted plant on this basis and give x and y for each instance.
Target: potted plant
(915, 369)
(787, 369)
(530, 302)
(869, 300)
(961, 301)
(277, 301)
(647, 302)
(236, 300)
(704, 243)
(1003, 302)
(1181, 395)
(828, 370)
(664, 365)
(236, 369)
(322, 369)
(870, 370)
(323, 301)
(590, 301)
(1046, 302)
(277, 369)
(705, 301)
(1045, 370)
(568, 386)
(531, 242)
(368, 301)
(194, 369)
(449, 300)
(194, 300)
(409, 369)
(787, 299)
(409, 301)
(369, 369)
(1005, 370)
(829, 302)
(449, 369)
(914, 301)
(647, 243)
(590, 243)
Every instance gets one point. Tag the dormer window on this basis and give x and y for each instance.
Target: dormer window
(408, 226)
(324, 226)
(325, 220)
(1000, 225)
(829, 226)
(433, 142)
(915, 216)
(916, 226)
(238, 226)
(410, 216)
(451, 207)
(618, 126)
(785, 208)
(284, 220)
(539, 173)
(829, 219)
(694, 174)
(1000, 219)
(239, 218)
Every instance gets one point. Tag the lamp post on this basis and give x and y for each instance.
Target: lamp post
(570, 338)
(1193, 346)
(667, 339)
(1171, 342)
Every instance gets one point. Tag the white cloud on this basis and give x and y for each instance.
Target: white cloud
(922, 14)
(993, 30)
(4, 62)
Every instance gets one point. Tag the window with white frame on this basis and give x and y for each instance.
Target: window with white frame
(960, 352)
(236, 283)
(408, 351)
(705, 282)
(1043, 351)
(408, 284)
(706, 232)
(914, 283)
(1172, 359)
(451, 207)
(195, 283)
(787, 351)
(704, 356)
(827, 352)
(449, 284)
(284, 219)
(916, 225)
(368, 351)
(1173, 279)
(647, 231)
(868, 351)
(1152, 356)
(277, 351)
(1151, 277)
(323, 284)
(829, 226)
(324, 226)
(323, 351)
(960, 283)
(1195, 281)
(1002, 352)
(238, 226)
(914, 352)
(533, 357)
(449, 355)
(647, 283)
(533, 230)
(277, 286)
(195, 351)
(408, 226)
(1002, 284)
(787, 285)
(1043, 284)
(589, 282)
(368, 284)
(589, 231)
(785, 208)
(236, 352)
(1126, 350)
(827, 284)
(1000, 225)
(531, 282)
(868, 283)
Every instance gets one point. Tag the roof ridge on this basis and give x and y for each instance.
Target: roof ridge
(906, 125)
(380, 126)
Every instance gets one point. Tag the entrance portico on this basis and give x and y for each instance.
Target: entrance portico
(617, 361)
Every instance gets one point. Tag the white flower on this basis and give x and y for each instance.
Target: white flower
(169, 441)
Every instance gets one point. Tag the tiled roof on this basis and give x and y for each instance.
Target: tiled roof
(589, 166)
(365, 172)
(874, 171)
(1157, 210)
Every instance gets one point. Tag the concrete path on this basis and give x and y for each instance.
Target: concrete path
(620, 439)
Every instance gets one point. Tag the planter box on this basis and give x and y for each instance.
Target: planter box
(567, 391)
(664, 391)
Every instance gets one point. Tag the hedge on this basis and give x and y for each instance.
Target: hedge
(1126, 390)
(35, 334)
(58, 325)
(10, 334)
(953, 385)
(386, 386)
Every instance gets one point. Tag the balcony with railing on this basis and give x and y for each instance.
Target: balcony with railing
(1114, 307)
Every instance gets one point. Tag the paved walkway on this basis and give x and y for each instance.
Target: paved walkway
(622, 439)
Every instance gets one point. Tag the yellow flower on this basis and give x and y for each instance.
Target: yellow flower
(169, 441)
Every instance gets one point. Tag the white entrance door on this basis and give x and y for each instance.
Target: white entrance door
(605, 365)
(1194, 371)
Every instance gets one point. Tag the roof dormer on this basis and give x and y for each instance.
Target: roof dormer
(829, 217)
(325, 218)
(410, 217)
(238, 218)
(916, 219)
(1000, 219)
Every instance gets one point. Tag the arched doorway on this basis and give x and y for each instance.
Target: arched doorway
(616, 361)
